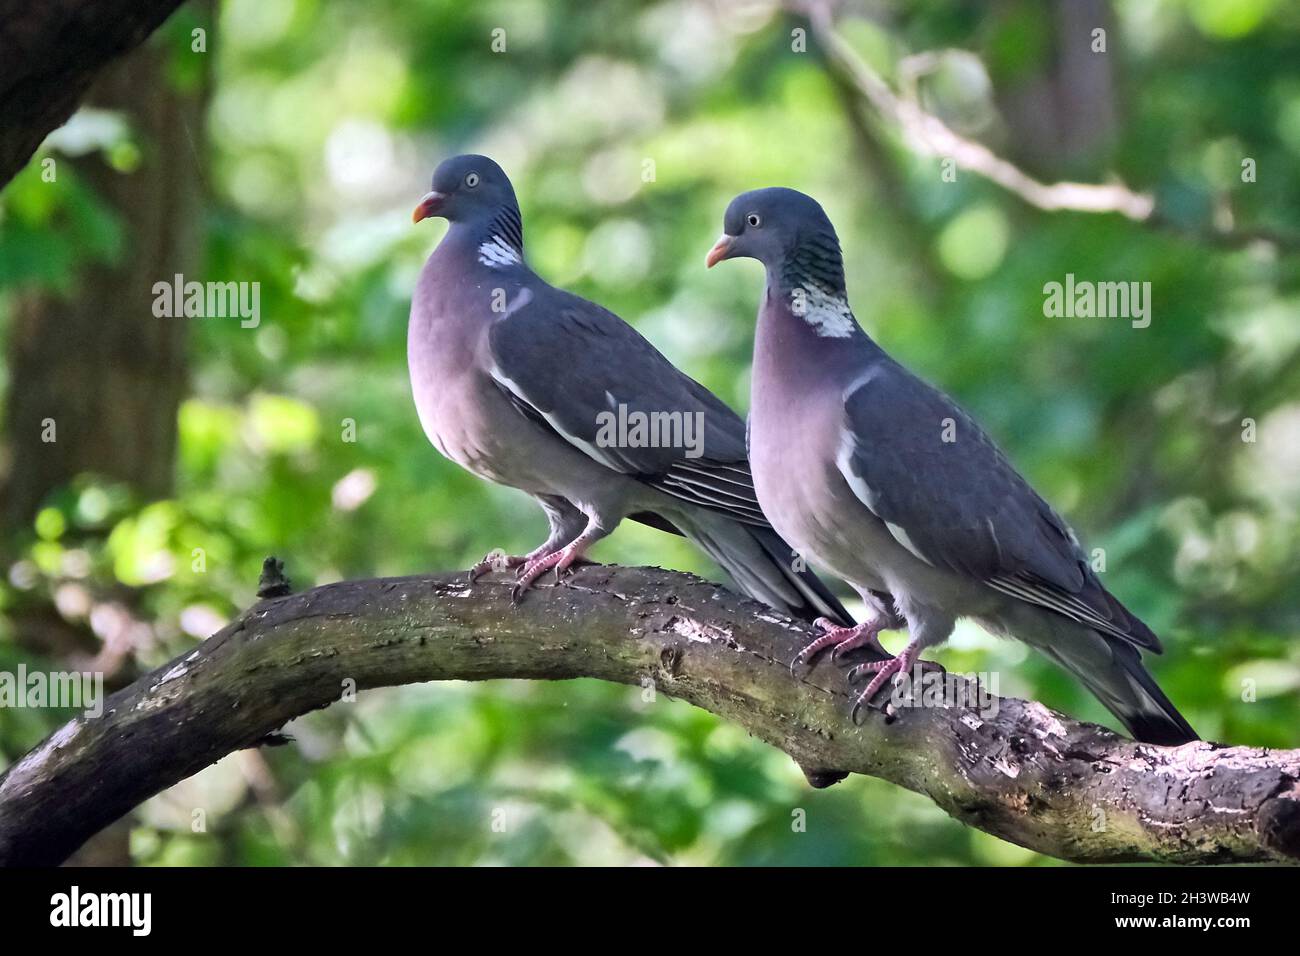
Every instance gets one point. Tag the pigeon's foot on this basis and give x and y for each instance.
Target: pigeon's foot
(536, 567)
(883, 672)
(840, 639)
(495, 561)
(538, 564)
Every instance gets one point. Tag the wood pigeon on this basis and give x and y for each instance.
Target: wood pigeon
(519, 382)
(885, 482)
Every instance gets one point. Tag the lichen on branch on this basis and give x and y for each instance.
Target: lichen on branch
(1018, 771)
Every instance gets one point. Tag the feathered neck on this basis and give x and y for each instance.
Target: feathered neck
(508, 226)
(497, 237)
(814, 259)
(810, 280)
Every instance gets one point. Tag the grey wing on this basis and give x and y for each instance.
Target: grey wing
(950, 496)
(584, 372)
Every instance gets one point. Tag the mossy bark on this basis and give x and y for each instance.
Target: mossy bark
(1026, 774)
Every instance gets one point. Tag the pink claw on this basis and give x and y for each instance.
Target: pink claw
(493, 561)
(534, 569)
(841, 639)
(883, 671)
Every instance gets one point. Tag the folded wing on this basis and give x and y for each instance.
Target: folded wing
(950, 496)
(594, 380)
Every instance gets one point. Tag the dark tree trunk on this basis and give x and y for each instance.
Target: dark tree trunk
(50, 51)
(98, 364)
(1061, 115)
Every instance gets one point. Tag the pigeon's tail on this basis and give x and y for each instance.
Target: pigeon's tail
(762, 565)
(1112, 669)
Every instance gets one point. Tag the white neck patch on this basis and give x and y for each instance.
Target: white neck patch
(828, 314)
(496, 253)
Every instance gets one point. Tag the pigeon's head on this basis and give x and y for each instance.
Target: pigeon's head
(773, 226)
(465, 188)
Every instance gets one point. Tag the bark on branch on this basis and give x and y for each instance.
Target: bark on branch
(1026, 774)
(50, 51)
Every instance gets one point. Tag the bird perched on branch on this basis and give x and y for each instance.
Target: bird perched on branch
(884, 481)
(520, 383)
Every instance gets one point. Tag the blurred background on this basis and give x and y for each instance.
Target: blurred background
(289, 152)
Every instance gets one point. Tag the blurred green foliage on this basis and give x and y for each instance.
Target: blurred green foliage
(326, 121)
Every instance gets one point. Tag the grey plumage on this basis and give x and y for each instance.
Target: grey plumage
(897, 489)
(511, 376)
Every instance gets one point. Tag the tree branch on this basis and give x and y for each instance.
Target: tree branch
(50, 51)
(1025, 774)
(927, 135)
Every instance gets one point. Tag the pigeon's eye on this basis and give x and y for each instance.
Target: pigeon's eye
(471, 180)
(753, 219)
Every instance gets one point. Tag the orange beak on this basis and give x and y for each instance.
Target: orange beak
(721, 249)
(429, 206)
